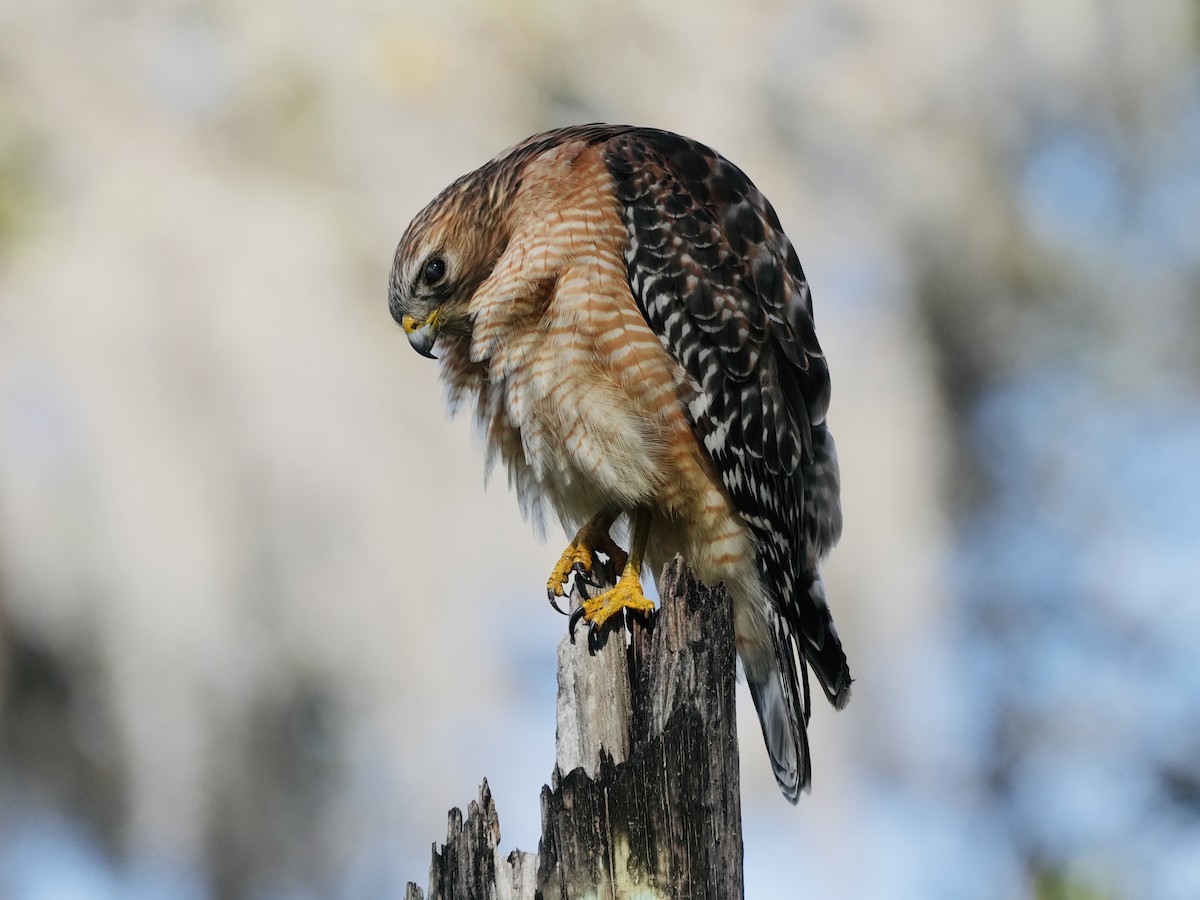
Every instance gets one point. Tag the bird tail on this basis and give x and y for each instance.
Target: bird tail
(780, 693)
(778, 683)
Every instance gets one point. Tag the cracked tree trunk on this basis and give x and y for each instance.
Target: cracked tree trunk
(644, 799)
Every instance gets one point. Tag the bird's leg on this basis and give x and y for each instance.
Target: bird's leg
(580, 555)
(627, 594)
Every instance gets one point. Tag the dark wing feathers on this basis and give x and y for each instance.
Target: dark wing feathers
(719, 282)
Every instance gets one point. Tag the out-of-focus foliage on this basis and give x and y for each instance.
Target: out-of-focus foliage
(260, 626)
(18, 174)
(1053, 885)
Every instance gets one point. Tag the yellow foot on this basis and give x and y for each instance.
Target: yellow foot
(580, 556)
(626, 595)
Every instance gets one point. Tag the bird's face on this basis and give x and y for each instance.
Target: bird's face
(424, 295)
(442, 259)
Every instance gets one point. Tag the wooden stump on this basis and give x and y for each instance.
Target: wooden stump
(649, 805)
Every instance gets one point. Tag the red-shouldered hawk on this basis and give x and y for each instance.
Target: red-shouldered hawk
(636, 331)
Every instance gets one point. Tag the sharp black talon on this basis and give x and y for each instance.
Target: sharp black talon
(554, 602)
(579, 569)
(579, 586)
(593, 639)
(573, 621)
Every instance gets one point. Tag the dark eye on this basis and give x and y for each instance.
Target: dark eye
(435, 268)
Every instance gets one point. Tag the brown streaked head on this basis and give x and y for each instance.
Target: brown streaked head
(446, 253)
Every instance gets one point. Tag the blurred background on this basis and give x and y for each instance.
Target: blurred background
(260, 623)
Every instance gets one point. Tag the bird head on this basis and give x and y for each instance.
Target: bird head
(446, 253)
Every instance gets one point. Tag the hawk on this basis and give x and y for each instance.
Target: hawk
(636, 333)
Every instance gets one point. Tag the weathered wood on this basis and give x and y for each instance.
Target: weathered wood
(649, 804)
(470, 864)
(593, 710)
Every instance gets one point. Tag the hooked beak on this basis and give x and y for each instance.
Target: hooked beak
(422, 335)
